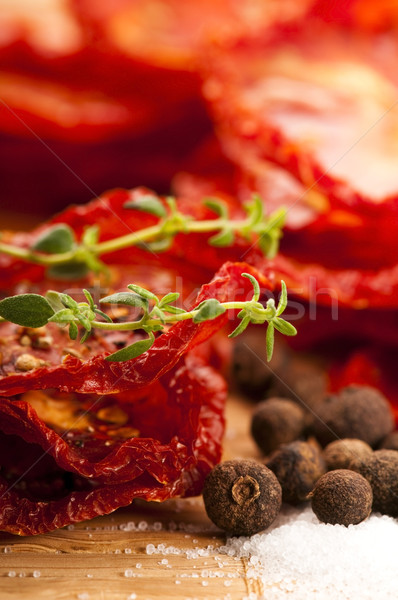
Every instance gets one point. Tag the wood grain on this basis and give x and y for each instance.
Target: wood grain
(105, 559)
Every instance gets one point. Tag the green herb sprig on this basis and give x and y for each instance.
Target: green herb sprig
(65, 257)
(34, 310)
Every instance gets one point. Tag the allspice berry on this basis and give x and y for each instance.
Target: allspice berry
(356, 412)
(277, 421)
(346, 454)
(250, 371)
(297, 466)
(390, 442)
(381, 470)
(342, 497)
(242, 497)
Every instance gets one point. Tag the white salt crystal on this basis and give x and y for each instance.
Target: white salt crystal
(11, 574)
(128, 573)
(150, 549)
(36, 574)
(309, 559)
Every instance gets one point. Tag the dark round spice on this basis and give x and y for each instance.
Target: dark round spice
(250, 371)
(390, 442)
(288, 375)
(356, 412)
(346, 454)
(381, 470)
(277, 421)
(342, 497)
(298, 466)
(303, 378)
(242, 497)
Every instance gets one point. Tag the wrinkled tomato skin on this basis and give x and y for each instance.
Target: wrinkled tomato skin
(168, 461)
(139, 468)
(194, 257)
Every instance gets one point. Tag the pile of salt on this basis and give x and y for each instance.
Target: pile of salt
(300, 557)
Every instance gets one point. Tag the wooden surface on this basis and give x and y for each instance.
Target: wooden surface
(105, 559)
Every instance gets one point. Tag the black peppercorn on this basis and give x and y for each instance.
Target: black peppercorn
(242, 497)
(381, 470)
(342, 497)
(298, 466)
(346, 453)
(277, 421)
(356, 412)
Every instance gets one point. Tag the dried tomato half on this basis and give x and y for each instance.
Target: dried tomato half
(109, 432)
(193, 258)
(307, 113)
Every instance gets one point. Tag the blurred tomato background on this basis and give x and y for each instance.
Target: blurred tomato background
(296, 100)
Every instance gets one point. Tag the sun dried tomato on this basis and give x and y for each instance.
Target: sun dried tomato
(110, 432)
(296, 111)
(364, 15)
(194, 259)
(190, 255)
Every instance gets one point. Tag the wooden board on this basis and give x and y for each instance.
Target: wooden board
(104, 559)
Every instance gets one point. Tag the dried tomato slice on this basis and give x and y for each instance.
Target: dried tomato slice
(134, 468)
(192, 256)
(189, 255)
(149, 427)
(364, 15)
(300, 106)
(290, 100)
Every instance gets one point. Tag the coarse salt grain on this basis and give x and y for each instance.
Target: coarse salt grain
(300, 555)
(36, 574)
(150, 549)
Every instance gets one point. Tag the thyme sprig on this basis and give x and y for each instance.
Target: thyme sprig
(34, 310)
(66, 257)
